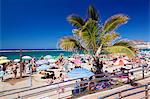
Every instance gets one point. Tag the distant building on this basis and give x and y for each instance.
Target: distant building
(141, 44)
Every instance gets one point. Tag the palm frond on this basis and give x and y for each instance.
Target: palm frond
(108, 38)
(122, 43)
(76, 20)
(93, 13)
(126, 44)
(121, 50)
(89, 33)
(114, 22)
(77, 32)
(70, 44)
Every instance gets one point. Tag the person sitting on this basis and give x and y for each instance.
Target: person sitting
(79, 66)
(83, 85)
(33, 68)
(46, 75)
(75, 91)
(76, 66)
(91, 86)
(130, 78)
(53, 75)
(61, 76)
(113, 73)
(15, 73)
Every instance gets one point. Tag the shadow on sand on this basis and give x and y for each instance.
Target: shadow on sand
(13, 81)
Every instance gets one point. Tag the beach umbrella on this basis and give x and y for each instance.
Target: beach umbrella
(52, 60)
(71, 59)
(79, 73)
(126, 67)
(4, 61)
(42, 67)
(40, 62)
(27, 57)
(69, 65)
(48, 57)
(3, 57)
(16, 60)
(104, 59)
(82, 55)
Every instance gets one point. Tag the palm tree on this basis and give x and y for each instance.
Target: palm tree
(91, 36)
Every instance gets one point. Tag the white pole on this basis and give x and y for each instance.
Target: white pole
(30, 76)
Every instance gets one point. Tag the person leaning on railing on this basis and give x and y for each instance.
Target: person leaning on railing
(131, 79)
(91, 86)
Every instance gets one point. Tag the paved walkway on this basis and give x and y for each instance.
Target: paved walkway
(137, 96)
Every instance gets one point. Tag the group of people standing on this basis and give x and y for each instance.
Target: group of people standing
(14, 70)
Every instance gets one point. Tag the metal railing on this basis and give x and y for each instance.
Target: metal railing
(9, 90)
(65, 86)
(120, 96)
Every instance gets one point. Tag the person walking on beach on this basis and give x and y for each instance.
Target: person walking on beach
(2, 75)
(24, 68)
(15, 72)
(4, 68)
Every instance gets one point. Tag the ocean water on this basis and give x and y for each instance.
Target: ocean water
(37, 54)
(41, 53)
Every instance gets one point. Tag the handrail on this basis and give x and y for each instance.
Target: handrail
(133, 93)
(71, 80)
(63, 82)
(37, 87)
(140, 86)
(82, 82)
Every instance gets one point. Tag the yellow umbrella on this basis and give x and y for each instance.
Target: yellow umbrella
(3, 57)
(4, 61)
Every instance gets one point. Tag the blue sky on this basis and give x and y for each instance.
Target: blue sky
(32, 24)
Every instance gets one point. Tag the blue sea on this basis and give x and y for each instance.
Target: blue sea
(38, 54)
(12, 54)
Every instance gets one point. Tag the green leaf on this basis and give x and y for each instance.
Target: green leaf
(93, 13)
(114, 22)
(89, 34)
(76, 20)
(126, 44)
(108, 38)
(121, 50)
(70, 44)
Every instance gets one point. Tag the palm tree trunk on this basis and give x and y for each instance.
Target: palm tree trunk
(99, 50)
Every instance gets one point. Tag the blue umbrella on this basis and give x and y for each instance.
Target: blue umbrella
(80, 73)
(42, 67)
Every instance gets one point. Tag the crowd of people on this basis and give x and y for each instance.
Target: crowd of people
(65, 65)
